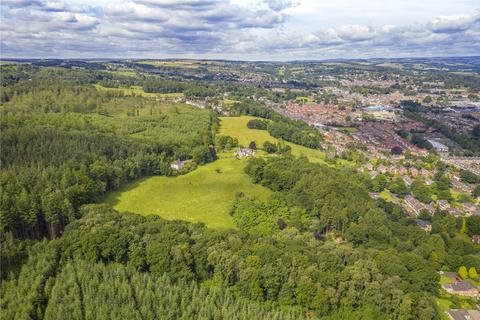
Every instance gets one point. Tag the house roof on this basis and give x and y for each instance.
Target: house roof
(460, 286)
(423, 223)
(462, 314)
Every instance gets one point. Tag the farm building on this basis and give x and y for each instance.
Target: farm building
(244, 152)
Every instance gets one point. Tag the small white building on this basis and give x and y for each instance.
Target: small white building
(244, 152)
(177, 165)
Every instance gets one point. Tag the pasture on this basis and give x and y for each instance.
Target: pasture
(190, 64)
(204, 195)
(237, 127)
(138, 91)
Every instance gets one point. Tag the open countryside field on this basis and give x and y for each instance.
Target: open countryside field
(173, 64)
(124, 72)
(121, 109)
(138, 91)
(237, 127)
(204, 195)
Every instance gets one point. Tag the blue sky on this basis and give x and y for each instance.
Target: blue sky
(239, 29)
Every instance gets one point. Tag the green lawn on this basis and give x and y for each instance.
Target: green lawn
(237, 127)
(386, 195)
(443, 305)
(445, 280)
(203, 195)
(305, 99)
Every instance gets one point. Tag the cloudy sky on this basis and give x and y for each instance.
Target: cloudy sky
(239, 29)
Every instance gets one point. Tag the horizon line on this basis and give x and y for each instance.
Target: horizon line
(232, 60)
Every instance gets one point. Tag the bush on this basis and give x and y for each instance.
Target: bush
(269, 147)
(469, 177)
(225, 142)
(257, 124)
(203, 154)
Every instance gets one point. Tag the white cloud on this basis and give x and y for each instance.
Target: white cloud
(265, 29)
(355, 32)
(453, 23)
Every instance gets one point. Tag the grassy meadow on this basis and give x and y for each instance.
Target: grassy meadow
(173, 64)
(204, 195)
(138, 91)
(237, 127)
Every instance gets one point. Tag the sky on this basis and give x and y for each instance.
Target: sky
(239, 29)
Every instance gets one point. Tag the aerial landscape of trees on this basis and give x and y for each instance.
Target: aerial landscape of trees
(315, 245)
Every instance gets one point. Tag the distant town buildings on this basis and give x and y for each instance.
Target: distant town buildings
(439, 147)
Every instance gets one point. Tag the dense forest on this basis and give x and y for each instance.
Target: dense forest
(64, 145)
(314, 248)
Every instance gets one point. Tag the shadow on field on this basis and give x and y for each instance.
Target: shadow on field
(113, 197)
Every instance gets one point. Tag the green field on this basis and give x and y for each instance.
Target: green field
(124, 72)
(228, 102)
(138, 91)
(203, 195)
(206, 194)
(305, 99)
(173, 64)
(237, 127)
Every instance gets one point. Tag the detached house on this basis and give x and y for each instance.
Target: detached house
(428, 181)
(244, 152)
(408, 181)
(414, 172)
(476, 239)
(462, 314)
(469, 208)
(424, 172)
(443, 204)
(382, 169)
(413, 206)
(402, 170)
(462, 288)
